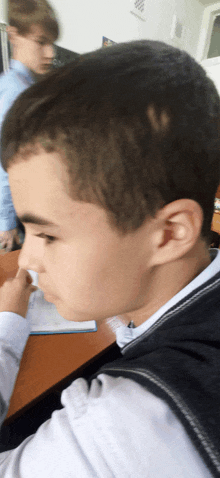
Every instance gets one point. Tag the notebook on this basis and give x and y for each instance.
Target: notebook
(45, 319)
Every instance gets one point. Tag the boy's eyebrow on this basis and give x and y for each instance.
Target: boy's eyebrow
(44, 38)
(28, 218)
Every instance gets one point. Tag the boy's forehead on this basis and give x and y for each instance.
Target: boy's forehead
(40, 32)
(40, 187)
(39, 163)
(39, 178)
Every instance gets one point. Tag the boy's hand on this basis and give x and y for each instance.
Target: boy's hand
(15, 293)
(8, 239)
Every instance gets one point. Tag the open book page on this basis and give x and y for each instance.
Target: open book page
(45, 319)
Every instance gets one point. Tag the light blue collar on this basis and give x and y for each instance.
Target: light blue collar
(22, 70)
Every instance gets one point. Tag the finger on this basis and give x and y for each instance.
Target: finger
(10, 279)
(29, 279)
(24, 275)
(19, 273)
(33, 288)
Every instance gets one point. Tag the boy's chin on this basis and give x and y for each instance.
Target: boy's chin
(38, 75)
(45, 70)
(68, 314)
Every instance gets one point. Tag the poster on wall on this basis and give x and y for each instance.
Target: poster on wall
(106, 42)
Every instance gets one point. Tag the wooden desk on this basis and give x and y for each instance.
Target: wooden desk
(49, 359)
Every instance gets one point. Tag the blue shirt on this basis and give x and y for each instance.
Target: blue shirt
(12, 83)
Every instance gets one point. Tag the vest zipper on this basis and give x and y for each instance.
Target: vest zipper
(189, 416)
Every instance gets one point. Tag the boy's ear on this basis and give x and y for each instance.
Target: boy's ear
(177, 229)
(12, 34)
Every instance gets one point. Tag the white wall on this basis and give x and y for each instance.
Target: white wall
(84, 22)
(158, 25)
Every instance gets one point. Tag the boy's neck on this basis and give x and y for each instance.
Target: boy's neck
(167, 280)
(34, 75)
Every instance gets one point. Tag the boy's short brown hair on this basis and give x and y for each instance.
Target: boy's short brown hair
(22, 14)
(137, 125)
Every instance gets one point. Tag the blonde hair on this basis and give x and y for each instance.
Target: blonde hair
(22, 14)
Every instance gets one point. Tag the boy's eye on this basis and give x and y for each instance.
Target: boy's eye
(41, 42)
(49, 239)
(44, 42)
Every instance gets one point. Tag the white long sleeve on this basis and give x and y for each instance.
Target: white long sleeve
(114, 429)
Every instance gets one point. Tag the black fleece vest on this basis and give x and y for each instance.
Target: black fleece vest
(178, 360)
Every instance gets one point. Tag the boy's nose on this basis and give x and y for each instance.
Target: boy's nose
(49, 51)
(30, 256)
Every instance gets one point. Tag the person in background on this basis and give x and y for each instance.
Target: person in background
(123, 145)
(32, 30)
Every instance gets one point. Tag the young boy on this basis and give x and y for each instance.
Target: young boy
(32, 30)
(124, 147)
